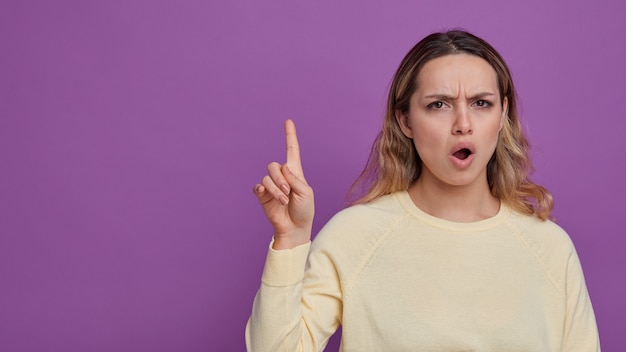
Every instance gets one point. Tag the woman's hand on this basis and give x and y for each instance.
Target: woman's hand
(286, 197)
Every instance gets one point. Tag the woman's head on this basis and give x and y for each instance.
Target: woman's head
(394, 163)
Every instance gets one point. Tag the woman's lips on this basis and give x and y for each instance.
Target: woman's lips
(462, 155)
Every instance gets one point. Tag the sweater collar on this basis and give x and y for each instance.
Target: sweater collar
(410, 207)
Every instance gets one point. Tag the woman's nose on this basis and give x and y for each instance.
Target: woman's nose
(462, 123)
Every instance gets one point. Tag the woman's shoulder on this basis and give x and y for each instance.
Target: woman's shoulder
(365, 221)
(380, 210)
(542, 236)
(352, 236)
(550, 244)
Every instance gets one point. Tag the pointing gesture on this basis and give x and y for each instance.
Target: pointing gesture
(286, 198)
(293, 148)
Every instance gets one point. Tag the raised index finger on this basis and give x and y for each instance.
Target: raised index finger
(293, 148)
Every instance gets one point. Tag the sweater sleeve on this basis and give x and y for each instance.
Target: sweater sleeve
(580, 332)
(298, 305)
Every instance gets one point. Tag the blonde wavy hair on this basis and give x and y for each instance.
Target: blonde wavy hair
(394, 164)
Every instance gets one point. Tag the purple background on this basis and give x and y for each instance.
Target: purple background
(132, 132)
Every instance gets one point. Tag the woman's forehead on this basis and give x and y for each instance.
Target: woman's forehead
(451, 74)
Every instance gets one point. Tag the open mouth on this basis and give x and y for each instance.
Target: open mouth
(462, 153)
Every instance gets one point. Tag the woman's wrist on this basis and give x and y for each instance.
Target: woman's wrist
(282, 242)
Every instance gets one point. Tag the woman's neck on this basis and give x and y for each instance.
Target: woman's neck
(467, 203)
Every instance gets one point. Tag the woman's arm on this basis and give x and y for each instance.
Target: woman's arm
(580, 332)
(290, 314)
(295, 310)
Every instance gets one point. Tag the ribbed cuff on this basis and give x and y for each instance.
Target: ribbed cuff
(285, 267)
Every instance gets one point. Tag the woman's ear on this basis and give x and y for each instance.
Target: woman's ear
(505, 112)
(404, 123)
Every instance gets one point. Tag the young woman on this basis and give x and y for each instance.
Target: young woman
(450, 249)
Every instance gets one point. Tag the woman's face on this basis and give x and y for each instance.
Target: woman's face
(454, 119)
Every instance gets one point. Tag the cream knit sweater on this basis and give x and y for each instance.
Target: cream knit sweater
(398, 279)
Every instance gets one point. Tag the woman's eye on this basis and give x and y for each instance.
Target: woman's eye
(435, 105)
(482, 103)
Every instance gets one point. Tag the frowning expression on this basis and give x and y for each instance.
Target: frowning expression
(454, 119)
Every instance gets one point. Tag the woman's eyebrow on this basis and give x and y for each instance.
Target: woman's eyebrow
(483, 95)
(440, 96)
